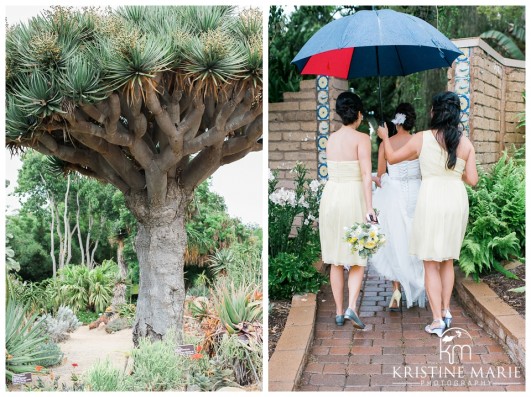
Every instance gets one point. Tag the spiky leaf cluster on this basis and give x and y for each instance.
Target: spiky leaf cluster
(114, 91)
(84, 55)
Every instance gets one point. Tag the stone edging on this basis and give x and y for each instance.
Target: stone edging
(493, 315)
(288, 360)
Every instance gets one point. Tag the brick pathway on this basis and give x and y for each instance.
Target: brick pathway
(394, 353)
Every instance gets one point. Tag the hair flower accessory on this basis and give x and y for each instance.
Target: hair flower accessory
(400, 118)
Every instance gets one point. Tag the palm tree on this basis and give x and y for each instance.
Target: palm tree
(150, 99)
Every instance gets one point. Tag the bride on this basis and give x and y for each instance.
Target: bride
(396, 201)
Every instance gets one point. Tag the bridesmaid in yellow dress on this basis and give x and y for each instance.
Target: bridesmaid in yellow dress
(447, 159)
(346, 199)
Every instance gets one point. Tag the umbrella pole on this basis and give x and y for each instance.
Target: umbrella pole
(380, 91)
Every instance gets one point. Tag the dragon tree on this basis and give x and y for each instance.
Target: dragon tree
(152, 100)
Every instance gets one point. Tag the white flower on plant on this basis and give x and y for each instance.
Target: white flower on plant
(314, 185)
(271, 176)
(304, 203)
(306, 221)
(283, 197)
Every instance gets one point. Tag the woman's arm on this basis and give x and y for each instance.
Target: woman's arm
(410, 149)
(364, 156)
(382, 165)
(470, 175)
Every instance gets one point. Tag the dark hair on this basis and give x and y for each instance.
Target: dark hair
(348, 105)
(408, 110)
(446, 117)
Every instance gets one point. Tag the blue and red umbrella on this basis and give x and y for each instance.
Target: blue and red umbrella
(375, 43)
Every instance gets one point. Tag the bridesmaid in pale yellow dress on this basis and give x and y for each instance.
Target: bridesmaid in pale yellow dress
(346, 199)
(447, 159)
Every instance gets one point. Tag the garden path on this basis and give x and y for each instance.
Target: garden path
(86, 347)
(378, 358)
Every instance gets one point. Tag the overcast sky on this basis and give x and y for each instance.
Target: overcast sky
(240, 183)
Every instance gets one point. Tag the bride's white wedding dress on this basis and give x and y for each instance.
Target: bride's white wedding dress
(396, 201)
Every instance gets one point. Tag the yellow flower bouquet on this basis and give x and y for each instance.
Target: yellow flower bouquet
(364, 238)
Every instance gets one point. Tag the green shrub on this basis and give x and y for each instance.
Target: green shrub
(117, 325)
(24, 339)
(51, 354)
(86, 317)
(290, 275)
(243, 356)
(127, 311)
(496, 224)
(80, 288)
(103, 376)
(101, 282)
(156, 367)
(285, 205)
(213, 378)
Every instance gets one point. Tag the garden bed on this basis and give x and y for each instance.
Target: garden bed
(501, 285)
(277, 321)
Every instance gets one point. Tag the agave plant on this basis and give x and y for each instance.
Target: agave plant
(221, 261)
(24, 341)
(237, 306)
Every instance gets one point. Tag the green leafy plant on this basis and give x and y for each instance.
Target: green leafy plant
(24, 341)
(291, 259)
(156, 367)
(236, 306)
(496, 225)
(127, 311)
(86, 317)
(289, 275)
(47, 350)
(103, 376)
(243, 356)
(221, 260)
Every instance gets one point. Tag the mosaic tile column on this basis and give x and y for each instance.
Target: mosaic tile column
(323, 124)
(462, 87)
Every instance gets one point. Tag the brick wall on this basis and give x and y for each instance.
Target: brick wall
(491, 86)
(293, 129)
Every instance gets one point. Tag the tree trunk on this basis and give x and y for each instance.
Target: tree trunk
(67, 240)
(79, 237)
(160, 246)
(120, 287)
(52, 241)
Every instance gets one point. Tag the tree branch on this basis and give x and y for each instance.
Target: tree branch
(115, 157)
(84, 162)
(201, 167)
(236, 144)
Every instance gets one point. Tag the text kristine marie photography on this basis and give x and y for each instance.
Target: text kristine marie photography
(456, 367)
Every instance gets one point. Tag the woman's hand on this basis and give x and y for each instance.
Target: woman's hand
(371, 215)
(383, 132)
(377, 180)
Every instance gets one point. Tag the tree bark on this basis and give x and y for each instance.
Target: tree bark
(160, 245)
(52, 240)
(120, 287)
(79, 237)
(67, 245)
